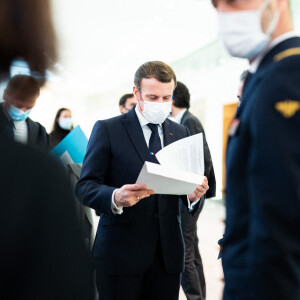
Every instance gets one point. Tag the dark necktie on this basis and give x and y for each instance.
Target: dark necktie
(154, 142)
(10, 130)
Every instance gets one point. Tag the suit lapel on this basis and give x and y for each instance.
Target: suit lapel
(136, 135)
(32, 132)
(169, 133)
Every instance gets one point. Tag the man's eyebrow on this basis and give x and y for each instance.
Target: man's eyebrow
(151, 95)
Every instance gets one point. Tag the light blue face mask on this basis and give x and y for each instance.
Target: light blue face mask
(18, 114)
(65, 123)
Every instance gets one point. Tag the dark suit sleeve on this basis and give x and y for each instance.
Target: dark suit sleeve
(45, 139)
(91, 189)
(209, 170)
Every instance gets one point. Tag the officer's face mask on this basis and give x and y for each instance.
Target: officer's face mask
(65, 123)
(156, 112)
(242, 32)
(18, 114)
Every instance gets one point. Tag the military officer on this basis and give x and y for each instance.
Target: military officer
(261, 246)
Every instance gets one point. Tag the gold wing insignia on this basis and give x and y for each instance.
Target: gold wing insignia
(288, 108)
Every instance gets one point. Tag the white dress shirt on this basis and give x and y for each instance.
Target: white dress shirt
(256, 62)
(21, 132)
(147, 134)
(179, 116)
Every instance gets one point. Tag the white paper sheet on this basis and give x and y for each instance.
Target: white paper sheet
(181, 167)
(168, 181)
(66, 159)
(185, 154)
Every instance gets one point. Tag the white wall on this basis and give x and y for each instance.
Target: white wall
(102, 43)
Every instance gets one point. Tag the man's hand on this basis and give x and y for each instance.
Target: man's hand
(199, 191)
(131, 194)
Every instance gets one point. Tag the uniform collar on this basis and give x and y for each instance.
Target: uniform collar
(256, 62)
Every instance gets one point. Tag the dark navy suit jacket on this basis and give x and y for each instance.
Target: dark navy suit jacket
(261, 246)
(126, 243)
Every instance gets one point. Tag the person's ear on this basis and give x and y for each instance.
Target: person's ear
(136, 93)
(122, 109)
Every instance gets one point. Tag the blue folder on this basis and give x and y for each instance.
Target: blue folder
(75, 143)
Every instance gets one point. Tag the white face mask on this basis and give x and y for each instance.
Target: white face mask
(156, 112)
(242, 34)
(65, 123)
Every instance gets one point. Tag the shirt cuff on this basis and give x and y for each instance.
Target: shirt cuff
(116, 210)
(191, 205)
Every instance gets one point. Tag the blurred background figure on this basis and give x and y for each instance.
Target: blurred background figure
(20, 97)
(126, 103)
(26, 32)
(193, 279)
(62, 126)
(43, 256)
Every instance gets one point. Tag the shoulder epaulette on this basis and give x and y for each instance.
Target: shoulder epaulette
(287, 53)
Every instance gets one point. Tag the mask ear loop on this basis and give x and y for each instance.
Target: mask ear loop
(274, 22)
(264, 6)
(139, 101)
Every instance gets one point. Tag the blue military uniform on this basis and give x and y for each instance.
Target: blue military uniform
(261, 246)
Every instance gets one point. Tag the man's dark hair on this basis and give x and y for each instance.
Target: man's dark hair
(124, 98)
(24, 85)
(181, 96)
(157, 69)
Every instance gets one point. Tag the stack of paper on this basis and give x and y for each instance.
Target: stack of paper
(181, 167)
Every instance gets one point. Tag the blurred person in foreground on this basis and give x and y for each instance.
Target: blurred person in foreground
(42, 254)
(62, 126)
(139, 248)
(261, 246)
(126, 103)
(20, 97)
(193, 279)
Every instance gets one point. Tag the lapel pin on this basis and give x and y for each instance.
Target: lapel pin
(170, 133)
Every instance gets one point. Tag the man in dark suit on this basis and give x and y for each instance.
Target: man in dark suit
(193, 280)
(139, 249)
(261, 245)
(19, 97)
